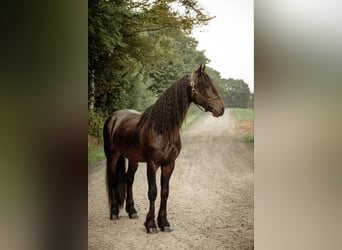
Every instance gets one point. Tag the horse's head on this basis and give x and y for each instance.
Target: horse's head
(204, 93)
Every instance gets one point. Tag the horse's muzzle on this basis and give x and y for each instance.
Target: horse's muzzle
(219, 112)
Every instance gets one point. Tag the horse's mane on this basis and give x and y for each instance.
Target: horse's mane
(167, 114)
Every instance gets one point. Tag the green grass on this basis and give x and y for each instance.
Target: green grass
(244, 114)
(95, 153)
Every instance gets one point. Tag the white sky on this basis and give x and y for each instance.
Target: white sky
(228, 40)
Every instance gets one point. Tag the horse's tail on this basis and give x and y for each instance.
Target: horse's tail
(115, 175)
(107, 136)
(116, 184)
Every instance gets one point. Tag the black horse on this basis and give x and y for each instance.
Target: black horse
(153, 137)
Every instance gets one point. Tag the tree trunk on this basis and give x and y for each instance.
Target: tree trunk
(92, 91)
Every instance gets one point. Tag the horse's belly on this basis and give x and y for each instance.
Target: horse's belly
(130, 149)
(126, 139)
(134, 156)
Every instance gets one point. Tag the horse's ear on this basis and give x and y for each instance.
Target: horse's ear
(201, 68)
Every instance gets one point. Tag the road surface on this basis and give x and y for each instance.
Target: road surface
(210, 203)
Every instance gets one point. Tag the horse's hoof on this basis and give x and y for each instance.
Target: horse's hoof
(114, 217)
(152, 230)
(133, 216)
(166, 229)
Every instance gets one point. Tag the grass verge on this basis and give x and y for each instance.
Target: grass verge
(95, 151)
(249, 138)
(244, 116)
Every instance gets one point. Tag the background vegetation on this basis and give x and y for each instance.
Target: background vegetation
(137, 48)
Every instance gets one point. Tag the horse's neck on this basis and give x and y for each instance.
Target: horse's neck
(178, 108)
(183, 111)
(172, 134)
(166, 116)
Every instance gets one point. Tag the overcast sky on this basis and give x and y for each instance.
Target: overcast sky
(228, 40)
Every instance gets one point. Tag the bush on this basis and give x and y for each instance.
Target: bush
(96, 121)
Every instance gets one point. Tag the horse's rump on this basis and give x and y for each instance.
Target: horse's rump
(121, 136)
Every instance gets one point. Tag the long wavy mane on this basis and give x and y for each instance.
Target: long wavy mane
(167, 114)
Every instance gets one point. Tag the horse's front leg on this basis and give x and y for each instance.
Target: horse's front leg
(150, 223)
(166, 172)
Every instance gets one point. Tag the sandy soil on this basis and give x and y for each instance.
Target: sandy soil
(210, 204)
(245, 127)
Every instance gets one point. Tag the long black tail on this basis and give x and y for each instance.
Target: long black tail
(116, 183)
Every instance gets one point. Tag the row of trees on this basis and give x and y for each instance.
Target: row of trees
(136, 48)
(237, 94)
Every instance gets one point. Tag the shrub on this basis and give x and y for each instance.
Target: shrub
(96, 121)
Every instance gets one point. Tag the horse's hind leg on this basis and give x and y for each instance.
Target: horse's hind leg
(111, 179)
(132, 168)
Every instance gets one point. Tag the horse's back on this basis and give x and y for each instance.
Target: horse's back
(125, 113)
(125, 116)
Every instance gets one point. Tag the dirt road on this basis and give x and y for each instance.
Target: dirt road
(210, 204)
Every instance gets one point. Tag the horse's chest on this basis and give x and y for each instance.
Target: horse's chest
(161, 151)
(169, 154)
(166, 154)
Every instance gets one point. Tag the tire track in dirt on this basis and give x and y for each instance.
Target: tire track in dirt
(211, 195)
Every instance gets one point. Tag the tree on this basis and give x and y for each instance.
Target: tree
(181, 56)
(237, 93)
(219, 82)
(251, 101)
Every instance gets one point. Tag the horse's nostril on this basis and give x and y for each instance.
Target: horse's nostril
(222, 110)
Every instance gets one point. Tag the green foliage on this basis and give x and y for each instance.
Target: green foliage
(218, 81)
(180, 57)
(244, 114)
(251, 101)
(96, 121)
(162, 75)
(237, 93)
